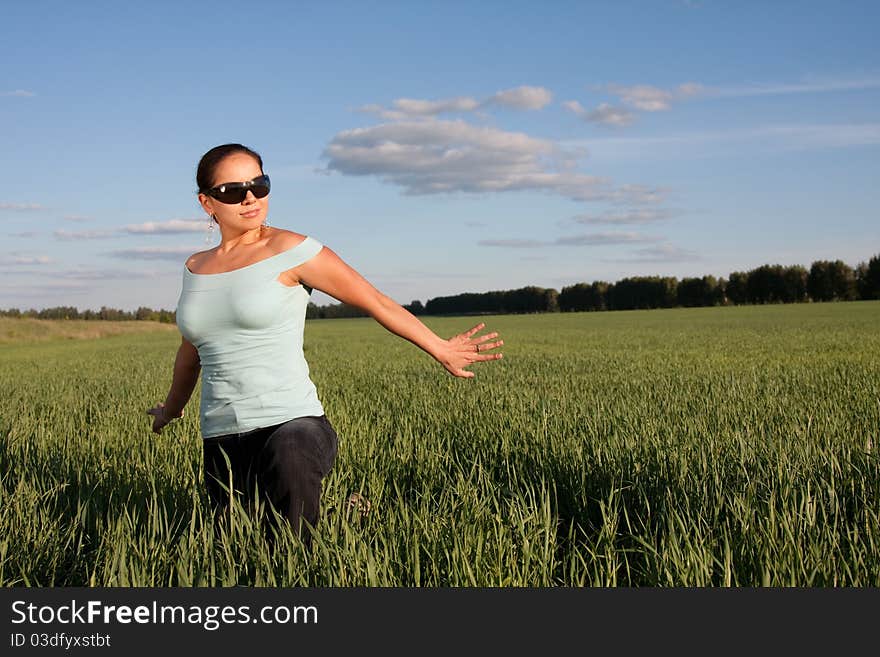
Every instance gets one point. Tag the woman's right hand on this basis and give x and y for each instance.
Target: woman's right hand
(159, 417)
(463, 350)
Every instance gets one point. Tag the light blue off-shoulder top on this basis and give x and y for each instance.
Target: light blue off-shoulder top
(248, 329)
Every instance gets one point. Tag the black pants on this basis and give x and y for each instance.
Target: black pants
(285, 462)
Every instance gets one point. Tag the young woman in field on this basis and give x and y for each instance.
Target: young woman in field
(241, 313)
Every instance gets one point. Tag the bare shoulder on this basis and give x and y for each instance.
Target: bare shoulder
(192, 263)
(282, 240)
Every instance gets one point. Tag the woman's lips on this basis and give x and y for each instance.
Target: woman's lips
(251, 214)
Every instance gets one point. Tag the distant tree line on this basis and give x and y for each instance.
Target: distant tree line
(333, 311)
(825, 281)
(170, 316)
(524, 300)
(338, 310)
(114, 314)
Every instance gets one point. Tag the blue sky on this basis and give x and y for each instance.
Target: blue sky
(439, 148)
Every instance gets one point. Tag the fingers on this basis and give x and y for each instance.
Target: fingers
(158, 415)
(459, 372)
(476, 351)
(465, 351)
(465, 338)
(480, 339)
(469, 333)
(491, 345)
(488, 336)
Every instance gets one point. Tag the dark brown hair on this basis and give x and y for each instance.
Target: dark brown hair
(210, 160)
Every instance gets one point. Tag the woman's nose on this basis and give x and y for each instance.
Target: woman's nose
(249, 197)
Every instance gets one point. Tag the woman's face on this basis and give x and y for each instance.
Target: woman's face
(252, 211)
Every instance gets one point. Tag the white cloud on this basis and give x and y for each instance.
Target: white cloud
(19, 93)
(86, 274)
(18, 258)
(523, 98)
(773, 89)
(690, 89)
(410, 274)
(648, 98)
(768, 138)
(514, 243)
(810, 136)
(410, 108)
(155, 253)
(589, 239)
(416, 107)
(610, 115)
(662, 253)
(639, 194)
(603, 239)
(605, 114)
(103, 274)
(25, 233)
(636, 216)
(641, 97)
(77, 218)
(428, 157)
(172, 226)
(381, 112)
(67, 235)
(27, 292)
(653, 99)
(21, 207)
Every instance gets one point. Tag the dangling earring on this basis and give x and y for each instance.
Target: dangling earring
(210, 230)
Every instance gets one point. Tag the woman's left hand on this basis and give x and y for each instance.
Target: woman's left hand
(160, 419)
(464, 349)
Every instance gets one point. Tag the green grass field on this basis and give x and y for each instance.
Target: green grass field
(700, 447)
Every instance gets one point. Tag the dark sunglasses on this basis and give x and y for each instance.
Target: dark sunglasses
(235, 192)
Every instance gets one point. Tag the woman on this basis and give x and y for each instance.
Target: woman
(241, 313)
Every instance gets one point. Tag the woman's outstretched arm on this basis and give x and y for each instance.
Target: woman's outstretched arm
(187, 367)
(330, 274)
